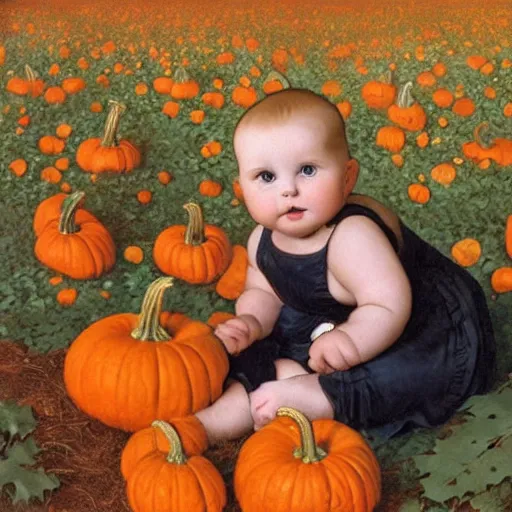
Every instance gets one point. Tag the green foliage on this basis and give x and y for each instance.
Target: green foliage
(476, 454)
(18, 478)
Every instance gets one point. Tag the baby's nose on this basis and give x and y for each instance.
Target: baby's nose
(289, 189)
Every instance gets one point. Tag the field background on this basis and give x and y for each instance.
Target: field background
(120, 48)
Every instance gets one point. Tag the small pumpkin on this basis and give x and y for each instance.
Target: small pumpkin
(184, 87)
(443, 173)
(76, 246)
(379, 93)
(391, 138)
(29, 85)
(196, 253)
(294, 465)
(501, 280)
(466, 252)
(165, 482)
(193, 436)
(107, 154)
(231, 284)
(244, 96)
(407, 113)
(274, 82)
(128, 369)
(500, 150)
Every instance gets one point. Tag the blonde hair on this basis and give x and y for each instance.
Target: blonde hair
(281, 106)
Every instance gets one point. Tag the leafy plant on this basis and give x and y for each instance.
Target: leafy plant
(18, 478)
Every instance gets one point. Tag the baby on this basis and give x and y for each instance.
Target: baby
(346, 313)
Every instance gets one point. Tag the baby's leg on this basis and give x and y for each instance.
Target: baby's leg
(294, 388)
(229, 417)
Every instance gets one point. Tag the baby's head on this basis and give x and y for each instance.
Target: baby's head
(292, 152)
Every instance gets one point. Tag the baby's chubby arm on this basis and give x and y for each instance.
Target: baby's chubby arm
(257, 308)
(364, 262)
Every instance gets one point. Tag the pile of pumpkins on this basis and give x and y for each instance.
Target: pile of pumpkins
(149, 373)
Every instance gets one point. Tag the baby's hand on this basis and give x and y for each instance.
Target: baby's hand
(325, 355)
(235, 334)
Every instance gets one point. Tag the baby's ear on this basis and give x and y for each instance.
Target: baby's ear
(351, 174)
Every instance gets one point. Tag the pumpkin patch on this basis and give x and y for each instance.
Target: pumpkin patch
(114, 117)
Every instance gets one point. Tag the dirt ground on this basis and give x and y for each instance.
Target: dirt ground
(85, 454)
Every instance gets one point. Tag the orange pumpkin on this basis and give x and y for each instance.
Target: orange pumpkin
(443, 173)
(29, 85)
(231, 284)
(244, 96)
(293, 465)
(274, 82)
(500, 151)
(501, 280)
(128, 369)
(406, 113)
(76, 246)
(391, 138)
(466, 252)
(169, 481)
(195, 253)
(50, 209)
(102, 155)
(184, 87)
(152, 439)
(379, 93)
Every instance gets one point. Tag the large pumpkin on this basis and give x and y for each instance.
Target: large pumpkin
(196, 253)
(75, 244)
(171, 482)
(292, 465)
(107, 154)
(127, 369)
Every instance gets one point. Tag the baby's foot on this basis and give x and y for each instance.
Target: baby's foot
(302, 392)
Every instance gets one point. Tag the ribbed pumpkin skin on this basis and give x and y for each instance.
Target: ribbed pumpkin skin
(411, 118)
(378, 94)
(149, 440)
(85, 254)
(91, 156)
(268, 478)
(127, 383)
(159, 486)
(194, 264)
(50, 209)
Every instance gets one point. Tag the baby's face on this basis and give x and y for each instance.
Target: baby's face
(292, 181)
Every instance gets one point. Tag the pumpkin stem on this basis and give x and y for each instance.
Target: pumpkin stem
(180, 75)
(31, 76)
(176, 454)
(67, 224)
(112, 123)
(194, 235)
(149, 328)
(405, 99)
(275, 75)
(477, 136)
(309, 452)
(387, 78)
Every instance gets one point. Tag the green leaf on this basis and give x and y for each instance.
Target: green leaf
(476, 454)
(28, 483)
(16, 419)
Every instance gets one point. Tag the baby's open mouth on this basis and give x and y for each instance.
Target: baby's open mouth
(296, 209)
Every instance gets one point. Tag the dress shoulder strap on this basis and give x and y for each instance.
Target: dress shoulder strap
(356, 209)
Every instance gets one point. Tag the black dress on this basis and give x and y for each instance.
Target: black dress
(445, 354)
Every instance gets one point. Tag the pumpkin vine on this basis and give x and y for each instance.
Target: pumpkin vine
(67, 224)
(194, 235)
(176, 454)
(149, 328)
(309, 452)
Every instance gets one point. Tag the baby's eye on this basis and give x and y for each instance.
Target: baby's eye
(266, 176)
(308, 170)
